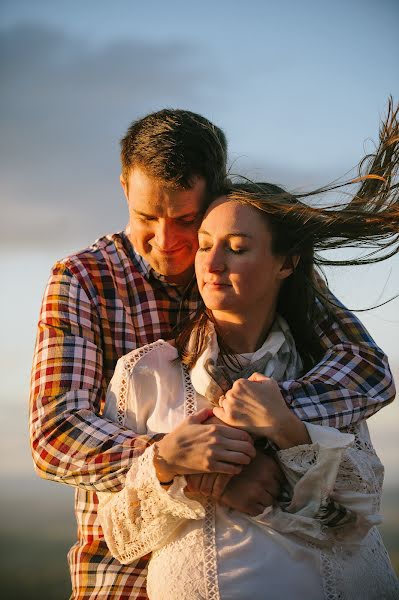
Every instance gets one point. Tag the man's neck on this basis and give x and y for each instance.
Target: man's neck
(181, 279)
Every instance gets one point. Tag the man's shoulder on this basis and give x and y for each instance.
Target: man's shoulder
(105, 247)
(106, 263)
(109, 253)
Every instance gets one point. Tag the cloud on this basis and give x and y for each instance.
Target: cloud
(65, 103)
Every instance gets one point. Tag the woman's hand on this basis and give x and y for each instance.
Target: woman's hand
(257, 405)
(198, 447)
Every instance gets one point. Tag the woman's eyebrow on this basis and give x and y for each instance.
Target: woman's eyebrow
(229, 235)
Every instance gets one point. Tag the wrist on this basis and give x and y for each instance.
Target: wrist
(163, 470)
(291, 432)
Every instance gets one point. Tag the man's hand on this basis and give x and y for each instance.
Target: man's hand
(255, 488)
(198, 447)
(207, 484)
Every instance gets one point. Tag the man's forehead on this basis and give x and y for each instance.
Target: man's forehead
(141, 177)
(151, 196)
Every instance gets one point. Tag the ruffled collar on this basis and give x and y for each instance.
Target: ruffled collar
(277, 358)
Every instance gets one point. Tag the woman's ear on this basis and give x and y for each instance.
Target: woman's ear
(288, 266)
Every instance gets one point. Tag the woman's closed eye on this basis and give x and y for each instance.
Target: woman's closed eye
(228, 249)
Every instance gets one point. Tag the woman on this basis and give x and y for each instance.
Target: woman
(319, 541)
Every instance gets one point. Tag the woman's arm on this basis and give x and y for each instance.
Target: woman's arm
(144, 515)
(336, 484)
(257, 406)
(332, 475)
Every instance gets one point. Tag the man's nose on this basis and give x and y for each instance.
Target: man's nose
(164, 235)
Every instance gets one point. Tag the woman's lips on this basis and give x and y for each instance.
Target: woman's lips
(216, 284)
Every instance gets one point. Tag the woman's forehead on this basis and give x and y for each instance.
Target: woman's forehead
(225, 213)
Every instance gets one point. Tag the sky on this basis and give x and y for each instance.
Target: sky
(298, 87)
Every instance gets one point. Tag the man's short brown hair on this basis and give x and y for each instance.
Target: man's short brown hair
(176, 146)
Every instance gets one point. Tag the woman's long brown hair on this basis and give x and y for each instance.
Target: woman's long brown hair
(370, 219)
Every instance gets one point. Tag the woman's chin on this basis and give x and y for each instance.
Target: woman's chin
(219, 304)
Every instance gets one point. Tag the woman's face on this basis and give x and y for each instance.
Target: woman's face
(235, 268)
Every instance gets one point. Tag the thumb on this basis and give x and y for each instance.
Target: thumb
(200, 416)
(258, 377)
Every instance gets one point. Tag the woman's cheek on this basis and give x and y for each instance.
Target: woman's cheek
(199, 269)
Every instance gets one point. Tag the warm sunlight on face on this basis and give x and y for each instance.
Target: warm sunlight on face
(163, 223)
(235, 268)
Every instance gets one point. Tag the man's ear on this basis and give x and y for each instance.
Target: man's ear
(124, 186)
(288, 266)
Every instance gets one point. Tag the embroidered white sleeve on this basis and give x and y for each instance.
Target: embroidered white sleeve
(143, 516)
(336, 487)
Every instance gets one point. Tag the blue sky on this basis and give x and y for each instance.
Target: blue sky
(298, 87)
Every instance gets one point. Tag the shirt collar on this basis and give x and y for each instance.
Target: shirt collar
(144, 266)
(281, 359)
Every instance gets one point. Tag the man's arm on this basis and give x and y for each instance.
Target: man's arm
(351, 382)
(70, 441)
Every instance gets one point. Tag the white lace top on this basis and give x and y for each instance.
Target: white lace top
(309, 548)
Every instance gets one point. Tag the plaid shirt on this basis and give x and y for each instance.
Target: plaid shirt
(99, 305)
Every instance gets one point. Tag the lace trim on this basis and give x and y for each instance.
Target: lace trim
(190, 399)
(361, 470)
(144, 516)
(361, 442)
(299, 459)
(363, 474)
(210, 557)
(129, 363)
(176, 570)
(384, 583)
(363, 573)
(332, 584)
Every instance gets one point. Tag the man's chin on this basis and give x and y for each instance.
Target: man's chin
(175, 273)
(181, 278)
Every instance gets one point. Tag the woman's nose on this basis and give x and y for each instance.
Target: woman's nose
(215, 260)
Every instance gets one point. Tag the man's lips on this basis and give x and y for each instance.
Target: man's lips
(168, 252)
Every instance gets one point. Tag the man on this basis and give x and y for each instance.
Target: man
(125, 291)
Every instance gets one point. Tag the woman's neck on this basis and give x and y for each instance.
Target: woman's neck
(241, 334)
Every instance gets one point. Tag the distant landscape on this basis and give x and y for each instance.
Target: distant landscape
(38, 528)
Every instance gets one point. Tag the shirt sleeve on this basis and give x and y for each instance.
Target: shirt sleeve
(144, 515)
(70, 441)
(336, 484)
(351, 382)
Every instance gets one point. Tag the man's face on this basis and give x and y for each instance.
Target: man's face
(164, 222)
